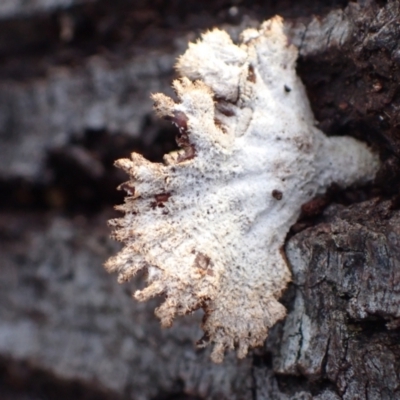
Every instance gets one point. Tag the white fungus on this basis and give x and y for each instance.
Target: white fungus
(209, 223)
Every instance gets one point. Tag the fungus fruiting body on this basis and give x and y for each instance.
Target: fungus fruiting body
(209, 223)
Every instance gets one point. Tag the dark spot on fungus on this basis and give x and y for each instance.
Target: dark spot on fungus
(219, 125)
(201, 261)
(224, 108)
(189, 153)
(179, 119)
(128, 187)
(287, 89)
(182, 139)
(251, 76)
(277, 194)
(160, 199)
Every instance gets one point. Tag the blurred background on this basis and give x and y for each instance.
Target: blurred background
(75, 84)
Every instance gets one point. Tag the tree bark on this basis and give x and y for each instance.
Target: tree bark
(75, 80)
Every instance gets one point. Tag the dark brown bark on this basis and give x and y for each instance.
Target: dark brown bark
(75, 81)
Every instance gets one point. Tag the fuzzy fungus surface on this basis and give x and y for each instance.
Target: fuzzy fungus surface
(209, 223)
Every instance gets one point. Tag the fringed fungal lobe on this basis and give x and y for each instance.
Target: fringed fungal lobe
(209, 223)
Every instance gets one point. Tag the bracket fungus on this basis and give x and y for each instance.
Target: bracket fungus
(209, 223)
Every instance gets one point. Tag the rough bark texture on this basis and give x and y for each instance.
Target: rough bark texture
(343, 329)
(75, 79)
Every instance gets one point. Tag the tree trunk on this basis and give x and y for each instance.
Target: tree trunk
(75, 81)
